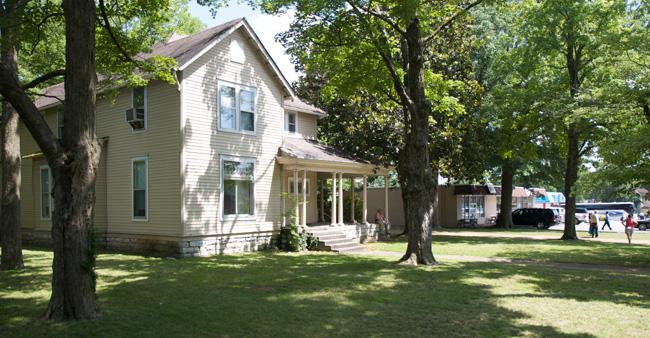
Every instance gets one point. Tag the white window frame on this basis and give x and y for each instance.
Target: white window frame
(49, 196)
(300, 179)
(286, 123)
(238, 88)
(240, 159)
(146, 184)
(59, 124)
(146, 109)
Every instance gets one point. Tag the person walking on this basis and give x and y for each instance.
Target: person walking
(630, 223)
(593, 224)
(606, 221)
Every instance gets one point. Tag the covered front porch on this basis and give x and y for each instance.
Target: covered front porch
(324, 186)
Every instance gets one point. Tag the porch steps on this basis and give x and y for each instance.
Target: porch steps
(332, 239)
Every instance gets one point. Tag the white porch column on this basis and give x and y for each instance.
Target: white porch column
(352, 200)
(322, 200)
(340, 208)
(304, 197)
(334, 214)
(365, 200)
(295, 196)
(386, 197)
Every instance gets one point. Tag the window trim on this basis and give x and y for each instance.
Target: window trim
(238, 88)
(60, 124)
(146, 109)
(244, 159)
(146, 184)
(461, 201)
(49, 199)
(286, 123)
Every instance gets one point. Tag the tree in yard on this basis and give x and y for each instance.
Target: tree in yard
(381, 47)
(124, 30)
(573, 39)
(12, 257)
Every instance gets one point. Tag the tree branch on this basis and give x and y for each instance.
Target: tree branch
(107, 25)
(29, 114)
(450, 20)
(379, 16)
(43, 78)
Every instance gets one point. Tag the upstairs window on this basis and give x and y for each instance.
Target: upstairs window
(237, 108)
(136, 116)
(290, 123)
(60, 125)
(238, 185)
(46, 193)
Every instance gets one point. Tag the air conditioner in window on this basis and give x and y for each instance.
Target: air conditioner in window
(135, 117)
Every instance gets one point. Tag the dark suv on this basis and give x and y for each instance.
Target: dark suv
(541, 218)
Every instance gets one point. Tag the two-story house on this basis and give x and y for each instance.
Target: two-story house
(210, 164)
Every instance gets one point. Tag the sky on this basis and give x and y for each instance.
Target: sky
(265, 26)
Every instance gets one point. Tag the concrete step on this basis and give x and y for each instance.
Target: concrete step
(329, 237)
(353, 249)
(339, 241)
(343, 246)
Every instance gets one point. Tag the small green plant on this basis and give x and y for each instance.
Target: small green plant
(291, 237)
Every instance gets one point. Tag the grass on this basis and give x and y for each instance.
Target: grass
(322, 295)
(542, 250)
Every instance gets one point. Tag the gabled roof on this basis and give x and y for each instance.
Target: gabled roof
(185, 50)
(297, 105)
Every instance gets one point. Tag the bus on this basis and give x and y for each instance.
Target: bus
(625, 206)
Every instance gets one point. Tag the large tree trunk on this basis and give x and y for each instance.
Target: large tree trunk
(570, 179)
(12, 252)
(573, 63)
(73, 280)
(505, 214)
(420, 188)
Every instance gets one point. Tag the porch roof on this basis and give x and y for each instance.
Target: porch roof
(300, 153)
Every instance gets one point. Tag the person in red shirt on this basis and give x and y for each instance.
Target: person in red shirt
(630, 223)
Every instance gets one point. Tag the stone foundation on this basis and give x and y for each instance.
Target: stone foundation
(227, 244)
(195, 246)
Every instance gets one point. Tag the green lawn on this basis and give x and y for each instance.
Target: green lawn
(548, 250)
(323, 295)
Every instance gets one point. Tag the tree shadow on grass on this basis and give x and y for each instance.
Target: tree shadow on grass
(292, 295)
(543, 250)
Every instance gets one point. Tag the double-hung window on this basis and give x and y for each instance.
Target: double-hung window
(46, 192)
(238, 175)
(60, 125)
(138, 117)
(290, 123)
(237, 107)
(140, 186)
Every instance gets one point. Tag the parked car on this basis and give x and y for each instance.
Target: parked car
(643, 224)
(541, 218)
(559, 212)
(582, 215)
